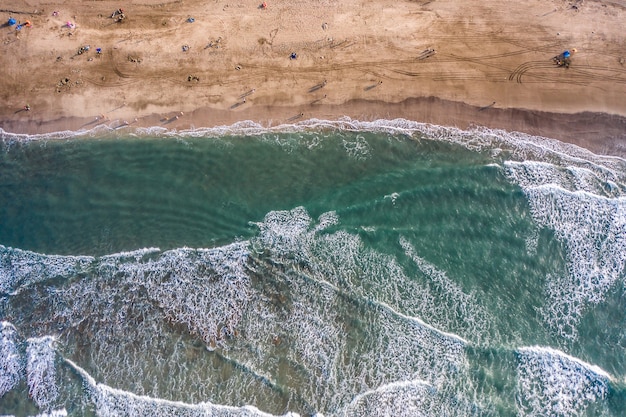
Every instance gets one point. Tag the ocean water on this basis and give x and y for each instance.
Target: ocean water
(347, 268)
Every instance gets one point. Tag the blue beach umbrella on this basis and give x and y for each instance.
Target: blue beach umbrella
(12, 21)
(566, 54)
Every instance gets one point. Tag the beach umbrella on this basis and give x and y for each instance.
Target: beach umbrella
(566, 54)
(12, 21)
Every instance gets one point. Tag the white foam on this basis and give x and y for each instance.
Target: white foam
(393, 197)
(124, 305)
(402, 398)
(54, 413)
(414, 398)
(327, 220)
(209, 304)
(589, 217)
(283, 232)
(109, 401)
(459, 310)
(553, 383)
(555, 353)
(41, 371)
(11, 365)
(291, 235)
(357, 147)
(592, 178)
(320, 284)
(136, 255)
(331, 280)
(20, 268)
(522, 145)
(133, 295)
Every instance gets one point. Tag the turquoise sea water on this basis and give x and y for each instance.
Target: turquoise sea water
(332, 268)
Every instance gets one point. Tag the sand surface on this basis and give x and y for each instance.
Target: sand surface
(450, 62)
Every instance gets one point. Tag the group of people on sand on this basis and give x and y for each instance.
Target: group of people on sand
(564, 59)
(118, 15)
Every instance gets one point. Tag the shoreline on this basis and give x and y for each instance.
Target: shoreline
(600, 133)
(449, 62)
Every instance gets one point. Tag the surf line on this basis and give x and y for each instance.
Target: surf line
(102, 389)
(554, 352)
(388, 388)
(390, 309)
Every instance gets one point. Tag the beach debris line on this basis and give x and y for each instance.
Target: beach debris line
(564, 59)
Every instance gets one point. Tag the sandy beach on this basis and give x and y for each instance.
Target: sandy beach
(184, 64)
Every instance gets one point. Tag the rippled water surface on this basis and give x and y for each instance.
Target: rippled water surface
(336, 268)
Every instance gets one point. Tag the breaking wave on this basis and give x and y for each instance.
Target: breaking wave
(308, 316)
(586, 210)
(555, 384)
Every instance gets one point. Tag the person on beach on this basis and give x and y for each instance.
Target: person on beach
(564, 59)
(27, 107)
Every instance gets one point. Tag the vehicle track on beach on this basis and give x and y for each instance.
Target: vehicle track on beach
(535, 71)
(466, 58)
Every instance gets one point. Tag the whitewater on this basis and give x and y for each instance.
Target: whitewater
(331, 268)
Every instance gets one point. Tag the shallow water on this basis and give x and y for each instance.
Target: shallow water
(338, 268)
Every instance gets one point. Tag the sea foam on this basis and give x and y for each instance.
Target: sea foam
(20, 268)
(41, 371)
(130, 300)
(553, 383)
(109, 401)
(11, 364)
(324, 275)
(588, 214)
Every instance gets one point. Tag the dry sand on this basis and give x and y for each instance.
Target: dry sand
(450, 62)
